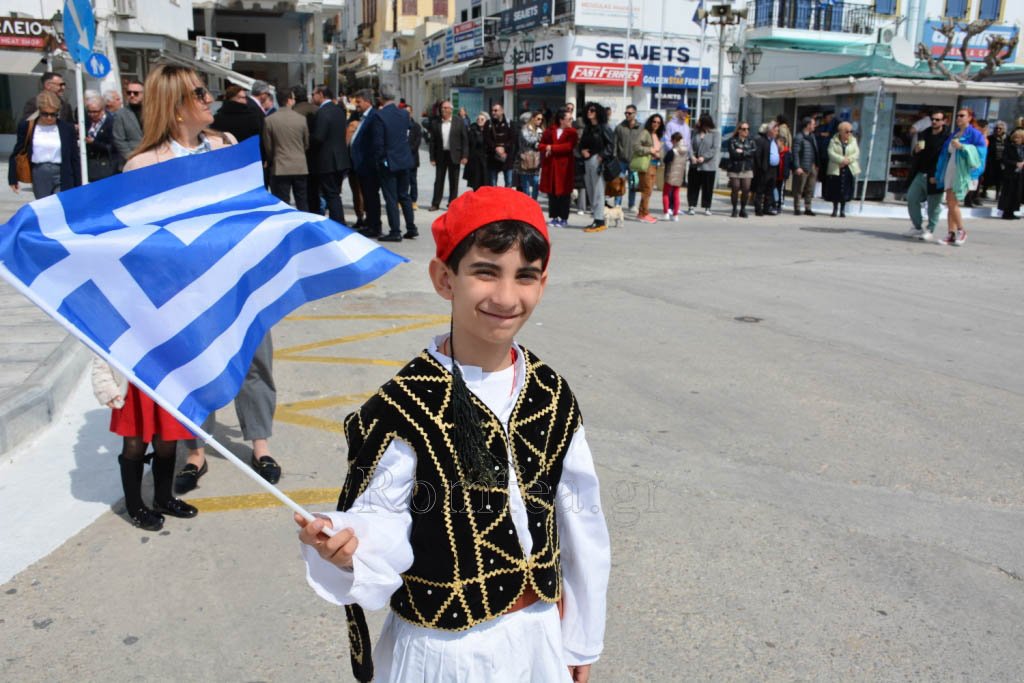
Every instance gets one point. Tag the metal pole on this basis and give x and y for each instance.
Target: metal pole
(661, 62)
(625, 73)
(700, 67)
(515, 84)
(721, 73)
(81, 124)
(874, 136)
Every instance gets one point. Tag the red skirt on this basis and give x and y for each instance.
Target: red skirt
(143, 418)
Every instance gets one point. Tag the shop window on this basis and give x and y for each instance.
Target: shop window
(956, 9)
(991, 9)
(886, 7)
(409, 8)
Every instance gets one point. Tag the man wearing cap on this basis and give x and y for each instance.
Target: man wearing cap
(492, 553)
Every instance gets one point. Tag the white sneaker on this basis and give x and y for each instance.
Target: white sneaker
(961, 237)
(690, 211)
(668, 216)
(913, 233)
(926, 236)
(707, 212)
(675, 218)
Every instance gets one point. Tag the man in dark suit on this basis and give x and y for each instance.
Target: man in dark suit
(332, 160)
(390, 139)
(364, 161)
(449, 150)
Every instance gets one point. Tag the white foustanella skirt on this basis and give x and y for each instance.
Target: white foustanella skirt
(521, 647)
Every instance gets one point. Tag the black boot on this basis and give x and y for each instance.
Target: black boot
(131, 481)
(163, 482)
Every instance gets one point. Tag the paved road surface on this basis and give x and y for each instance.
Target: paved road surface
(809, 443)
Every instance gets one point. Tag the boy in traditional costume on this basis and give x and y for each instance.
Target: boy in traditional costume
(471, 503)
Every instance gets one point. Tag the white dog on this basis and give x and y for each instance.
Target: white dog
(613, 216)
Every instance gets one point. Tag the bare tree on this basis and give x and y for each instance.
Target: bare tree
(999, 48)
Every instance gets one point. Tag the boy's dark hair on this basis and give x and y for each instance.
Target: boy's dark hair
(499, 237)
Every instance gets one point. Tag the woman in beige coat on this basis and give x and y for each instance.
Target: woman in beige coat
(843, 169)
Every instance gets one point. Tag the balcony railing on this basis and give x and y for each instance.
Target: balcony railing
(813, 15)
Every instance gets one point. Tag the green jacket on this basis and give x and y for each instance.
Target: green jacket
(966, 162)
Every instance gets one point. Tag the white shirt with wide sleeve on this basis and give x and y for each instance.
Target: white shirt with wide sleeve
(529, 645)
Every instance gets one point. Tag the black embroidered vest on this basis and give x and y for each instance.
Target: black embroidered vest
(468, 564)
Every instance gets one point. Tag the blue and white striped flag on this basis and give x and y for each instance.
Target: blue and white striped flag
(176, 271)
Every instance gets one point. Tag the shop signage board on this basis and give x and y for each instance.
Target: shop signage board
(977, 48)
(646, 15)
(26, 33)
(603, 61)
(529, 16)
(468, 40)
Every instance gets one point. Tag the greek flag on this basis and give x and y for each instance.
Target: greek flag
(176, 271)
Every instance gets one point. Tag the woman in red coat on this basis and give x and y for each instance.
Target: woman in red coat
(557, 170)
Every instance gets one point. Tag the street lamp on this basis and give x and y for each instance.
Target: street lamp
(744, 62)
(504, 45)
(721, 15)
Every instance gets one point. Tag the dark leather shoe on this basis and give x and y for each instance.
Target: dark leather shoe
(175, 507)
(267, 468)
(797, 213)
(188, 478)
(411, 234)
(808, 212)
(390, 238)
(370, 232)
(435, 207)
(144, 518)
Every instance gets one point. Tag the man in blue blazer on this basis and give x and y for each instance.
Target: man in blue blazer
(390, 139)
(364, 161)
(332, 158)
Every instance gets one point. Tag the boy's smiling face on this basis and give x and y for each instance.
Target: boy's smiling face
(492, 295)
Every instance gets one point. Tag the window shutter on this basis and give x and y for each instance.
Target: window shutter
(989, 9)
(885, 7)
(956, 9)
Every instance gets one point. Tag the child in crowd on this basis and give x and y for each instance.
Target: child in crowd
(675, 171)
(471, 504)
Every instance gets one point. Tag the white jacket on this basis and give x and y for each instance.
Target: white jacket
(107, 383)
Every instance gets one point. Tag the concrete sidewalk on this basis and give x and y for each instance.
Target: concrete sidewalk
(39, 361)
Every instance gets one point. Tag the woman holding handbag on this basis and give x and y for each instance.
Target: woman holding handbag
(740, 168)
(102, 158)
(529, 156)
(646, 159)
(46, 152)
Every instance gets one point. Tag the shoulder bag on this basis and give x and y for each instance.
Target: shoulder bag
(23, 160)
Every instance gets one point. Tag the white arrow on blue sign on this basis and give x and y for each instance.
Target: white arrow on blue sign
(97, 65)
(79, 29)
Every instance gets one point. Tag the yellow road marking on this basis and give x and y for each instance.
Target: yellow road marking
(335, 360)
(296, 413)
(265, 500)
(290, 352)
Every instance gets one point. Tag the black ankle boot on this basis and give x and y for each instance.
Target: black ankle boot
(131, 481)
(163, 497)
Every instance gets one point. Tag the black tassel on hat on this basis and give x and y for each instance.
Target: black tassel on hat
(479, 465)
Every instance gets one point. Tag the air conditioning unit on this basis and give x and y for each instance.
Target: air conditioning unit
(125, 8)
(886, 35)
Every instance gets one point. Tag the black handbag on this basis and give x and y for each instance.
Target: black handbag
(611, 169)
(100, 167)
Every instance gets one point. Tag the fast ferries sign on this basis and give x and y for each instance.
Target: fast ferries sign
(602, 72)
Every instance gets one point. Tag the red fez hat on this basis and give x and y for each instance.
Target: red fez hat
(472, 210)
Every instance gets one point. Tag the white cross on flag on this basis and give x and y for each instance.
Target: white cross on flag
(175, 272)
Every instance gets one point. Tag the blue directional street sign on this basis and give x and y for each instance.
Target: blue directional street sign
(79, 29)
(97, 65)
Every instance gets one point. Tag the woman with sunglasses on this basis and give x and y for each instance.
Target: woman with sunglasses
(740, 168)
(961, 162)
(52, 149)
